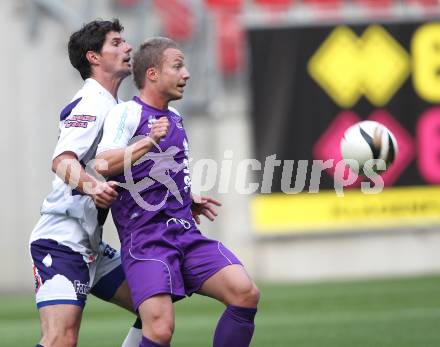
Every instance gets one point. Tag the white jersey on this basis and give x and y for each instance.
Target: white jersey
(81, 123)
(121, 125)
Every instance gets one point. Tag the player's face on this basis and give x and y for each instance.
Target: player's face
(115, 55)
(173, 74)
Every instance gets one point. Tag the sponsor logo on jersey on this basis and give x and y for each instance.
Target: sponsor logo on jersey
(75, 124)
(81, 288)
(79, 121)
(84, 118)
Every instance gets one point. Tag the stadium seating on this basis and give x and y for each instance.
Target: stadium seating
(427, 3)
(375, 3)
(229, 5)
(230, 43)
(324, 3)
(177, 19)
(229, 33)
(275, 3)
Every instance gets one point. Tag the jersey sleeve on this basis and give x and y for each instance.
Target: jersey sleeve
(80, 128)
(172, 109)
(119, 127)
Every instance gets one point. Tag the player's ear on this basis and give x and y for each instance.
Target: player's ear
(152, 74)
(92, 57)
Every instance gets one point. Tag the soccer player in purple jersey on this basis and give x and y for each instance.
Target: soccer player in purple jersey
(164, 255)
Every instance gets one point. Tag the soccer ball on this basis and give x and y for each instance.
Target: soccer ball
(365, 141)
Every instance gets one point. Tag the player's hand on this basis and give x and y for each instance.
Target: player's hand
(159, 129)
(203, 205)
(106, 194)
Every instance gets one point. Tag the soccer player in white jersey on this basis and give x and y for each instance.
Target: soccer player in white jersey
(68, 256)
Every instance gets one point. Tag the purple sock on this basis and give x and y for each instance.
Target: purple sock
(235, 327)
(148, 343)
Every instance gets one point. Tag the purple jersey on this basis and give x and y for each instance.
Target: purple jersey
(162, 250)
(159, 184)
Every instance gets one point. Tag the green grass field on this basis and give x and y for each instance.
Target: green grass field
(377, 313)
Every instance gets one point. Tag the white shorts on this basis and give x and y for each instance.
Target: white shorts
(63, 276)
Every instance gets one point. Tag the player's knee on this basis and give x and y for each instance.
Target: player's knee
(163, 331)
(61, 338)
(247, 295)
(65, 335)
(71, 339)
(253, 295)
(162, 327)
(160, 323)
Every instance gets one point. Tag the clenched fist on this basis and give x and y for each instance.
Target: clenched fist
(105, 194)
(159, 129)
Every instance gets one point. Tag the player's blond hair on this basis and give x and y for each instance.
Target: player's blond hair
(150, 54)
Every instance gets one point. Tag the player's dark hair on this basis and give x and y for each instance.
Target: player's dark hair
(150, 54)
(90, 37)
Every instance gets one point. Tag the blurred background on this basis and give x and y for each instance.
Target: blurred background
(268, 77)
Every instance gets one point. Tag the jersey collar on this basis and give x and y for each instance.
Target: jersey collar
(92, 83)
(139, 101)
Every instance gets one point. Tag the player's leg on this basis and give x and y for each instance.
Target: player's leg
(61, 278)
(232, 286)
(60, 325)
(153, 274)
(157, 314)
(134, 335)
(110, 285)
(122, 298)
(211, 269)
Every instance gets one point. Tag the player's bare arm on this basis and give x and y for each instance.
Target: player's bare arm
(69, 169)
(114, 158)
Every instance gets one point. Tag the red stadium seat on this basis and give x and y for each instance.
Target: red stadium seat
(427, 3)
(177, 18)
(275, 3)
(230, 43)
(274, 8)
(224, 4)
(375, 3)
(324, 3)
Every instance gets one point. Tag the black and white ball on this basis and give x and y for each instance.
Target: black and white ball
(365, 141)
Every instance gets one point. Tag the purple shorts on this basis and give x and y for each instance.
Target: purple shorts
(171, 257)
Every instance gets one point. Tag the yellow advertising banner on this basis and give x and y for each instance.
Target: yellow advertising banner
(326, 212)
